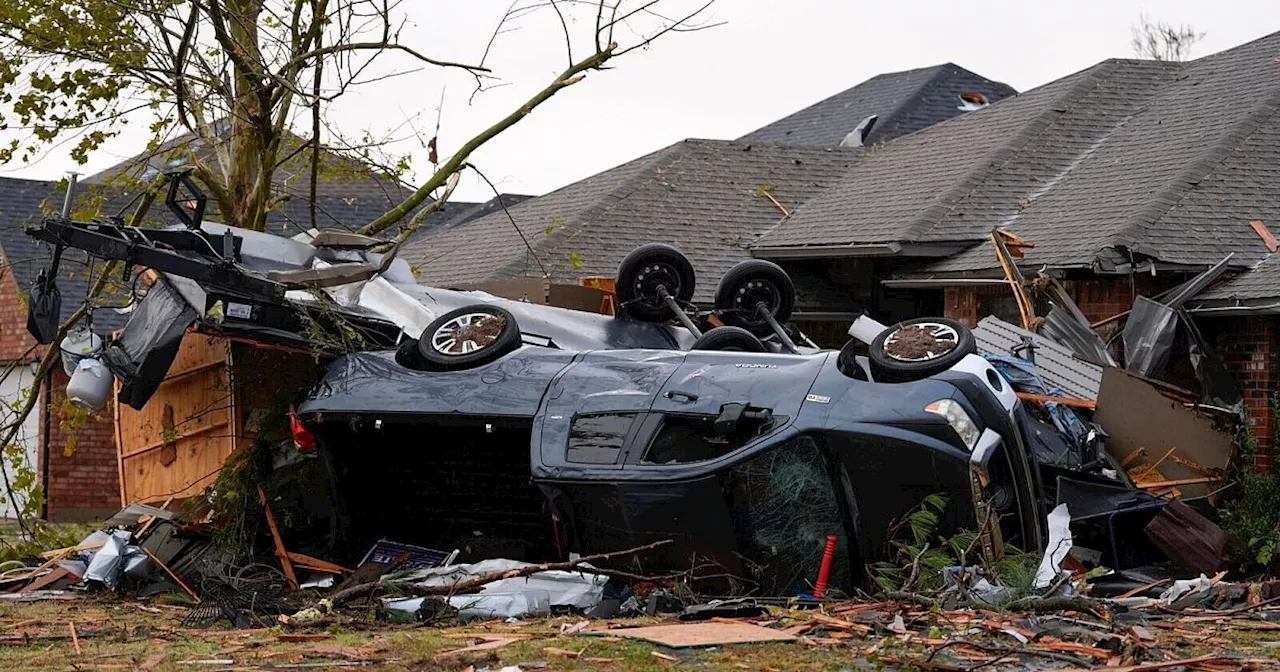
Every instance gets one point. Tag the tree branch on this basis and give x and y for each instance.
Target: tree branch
(567, 78)
(468, 585)
(378, 46)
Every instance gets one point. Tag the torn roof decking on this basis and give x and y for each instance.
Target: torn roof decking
(1164, 160)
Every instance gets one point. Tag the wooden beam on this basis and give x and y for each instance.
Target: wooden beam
(317, 564)
(173, 576)
(117, 430)
(1184, 481)
(1074, 402)
(281, 552)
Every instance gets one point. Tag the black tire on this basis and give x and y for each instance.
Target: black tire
(847, 362)
(750, 282)
(728, 338)
(643, 271)
(436, 353)
(891, 368)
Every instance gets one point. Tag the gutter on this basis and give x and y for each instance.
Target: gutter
(828, 251)
(1241, 308)
(860, 250)
(934, 283)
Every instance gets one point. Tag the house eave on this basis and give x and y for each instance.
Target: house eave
(856, 250)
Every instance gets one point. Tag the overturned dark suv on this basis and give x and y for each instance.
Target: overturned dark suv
(543, 432)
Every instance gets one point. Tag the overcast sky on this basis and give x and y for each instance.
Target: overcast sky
(770, 58)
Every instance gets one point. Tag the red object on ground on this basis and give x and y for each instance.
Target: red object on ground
(824, 572)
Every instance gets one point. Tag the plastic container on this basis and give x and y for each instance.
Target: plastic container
(866, 329)
(90, 385)
(76, 346)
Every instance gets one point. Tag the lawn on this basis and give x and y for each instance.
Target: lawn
(118, 633)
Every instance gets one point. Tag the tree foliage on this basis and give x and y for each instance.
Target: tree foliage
(251, 79)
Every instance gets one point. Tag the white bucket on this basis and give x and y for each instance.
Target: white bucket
(76, 346)
(90, 385)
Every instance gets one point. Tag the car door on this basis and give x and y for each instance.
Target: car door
(594, 408)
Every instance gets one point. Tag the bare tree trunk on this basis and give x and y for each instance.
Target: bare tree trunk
(249, 116)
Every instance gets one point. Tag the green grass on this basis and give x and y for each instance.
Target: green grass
(119, 633)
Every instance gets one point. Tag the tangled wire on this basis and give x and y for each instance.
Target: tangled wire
(248, 596)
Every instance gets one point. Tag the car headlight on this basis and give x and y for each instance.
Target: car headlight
(958, 418)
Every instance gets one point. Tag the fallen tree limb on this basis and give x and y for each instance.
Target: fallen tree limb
(468, 585)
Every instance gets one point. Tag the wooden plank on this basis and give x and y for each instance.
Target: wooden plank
(168, 571)
(1175, 483)
(1265, 234)
(700, 634)
(1065, 401)
(281, 552)
(317, 564)
(116, 431)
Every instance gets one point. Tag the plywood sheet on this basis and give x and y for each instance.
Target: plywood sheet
(174, 446)
(1137, 417)
(701, 634)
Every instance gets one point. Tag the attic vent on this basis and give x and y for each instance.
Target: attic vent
(859, 133)
(970, 101)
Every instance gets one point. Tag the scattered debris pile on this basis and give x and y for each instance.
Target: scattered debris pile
(143, 550)
(1134, 461)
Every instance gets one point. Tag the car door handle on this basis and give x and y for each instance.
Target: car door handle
(687, 396)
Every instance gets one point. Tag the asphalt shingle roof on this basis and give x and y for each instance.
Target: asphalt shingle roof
(904, 102)
(1160, 160)
(706, 197)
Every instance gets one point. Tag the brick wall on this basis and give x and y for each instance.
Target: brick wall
(1098, 298)
(1249, 347)
(84, 477)
(14, 339)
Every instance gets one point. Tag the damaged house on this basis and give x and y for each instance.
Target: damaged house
(1129, 177)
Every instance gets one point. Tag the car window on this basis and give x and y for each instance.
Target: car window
(598, 439)
(684, 439)
(786, 503)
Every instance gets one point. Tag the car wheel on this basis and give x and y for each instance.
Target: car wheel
(847, 362)
(728, 338)
(750, 283)
(644, 272)
(919, 348)
(468, 337)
